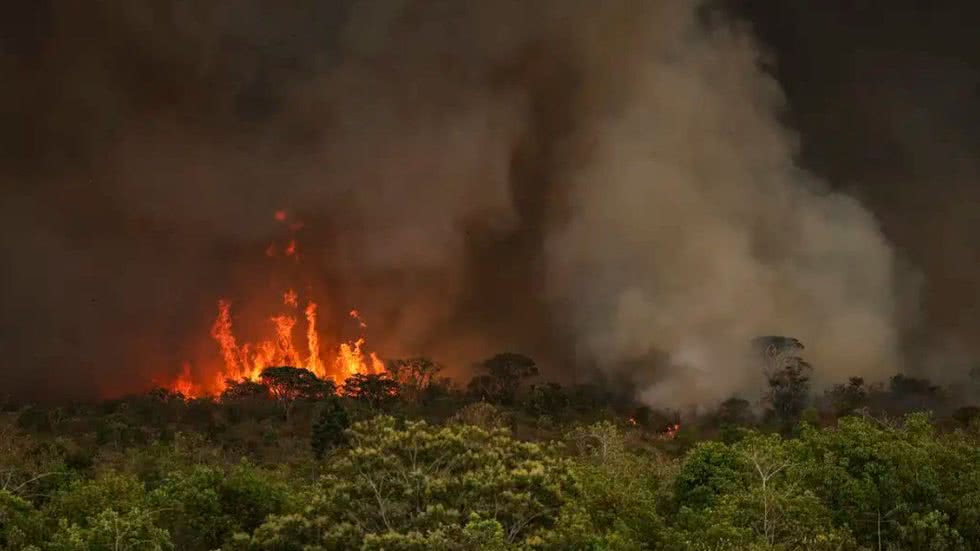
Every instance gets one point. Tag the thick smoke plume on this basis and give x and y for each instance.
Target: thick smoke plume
(604, 188)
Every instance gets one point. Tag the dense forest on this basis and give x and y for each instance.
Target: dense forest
(407, 460)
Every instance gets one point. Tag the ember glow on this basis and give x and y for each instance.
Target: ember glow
(245, 360)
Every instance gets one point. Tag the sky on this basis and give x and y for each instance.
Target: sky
(627, 194)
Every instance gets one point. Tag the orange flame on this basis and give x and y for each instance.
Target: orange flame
(247, 360)
(184, 384)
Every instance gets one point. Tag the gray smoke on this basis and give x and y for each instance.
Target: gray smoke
(601, 187)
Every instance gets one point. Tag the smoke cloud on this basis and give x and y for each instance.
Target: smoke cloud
(603, 189)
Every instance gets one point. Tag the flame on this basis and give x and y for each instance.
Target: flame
(184, 384)
(313, 362)
(246, 360)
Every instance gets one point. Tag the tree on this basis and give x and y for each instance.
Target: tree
(243, 390)
(28, 466)
(846, 399)
(546, 399)
(481, 414)
(374, 389)
(288, 384)
(329, 427)
(735, 411)
(415, 486)
(203, 506)
(20, 524)
(415, 375)
(505, 373)
(789, 390)
(774, 351)
(111, 530)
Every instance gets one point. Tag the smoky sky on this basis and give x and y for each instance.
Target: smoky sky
(631, 190)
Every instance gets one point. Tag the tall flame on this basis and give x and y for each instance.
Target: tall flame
(246, 360)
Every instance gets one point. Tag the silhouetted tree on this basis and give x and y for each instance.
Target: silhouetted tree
(775, 352)
(505, 373)
(735, 411)
(244, 389)
(789, 390)
(846, 399)
(911, 393)
(289, 384)
(374, 389)
(415, 375)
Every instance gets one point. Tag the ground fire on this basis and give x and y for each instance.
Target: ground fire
(246, 360)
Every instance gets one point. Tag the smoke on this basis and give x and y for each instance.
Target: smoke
(604, 189)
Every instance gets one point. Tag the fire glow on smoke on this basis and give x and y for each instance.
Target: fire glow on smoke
(247, 360)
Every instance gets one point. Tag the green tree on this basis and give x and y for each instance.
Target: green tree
(413, 483)
(929, 532)
(20, 524)
(872, 475)
(329, 428)
(203, 506)
(710, 470)
(110, 491)
(110, 530)
(546, 399)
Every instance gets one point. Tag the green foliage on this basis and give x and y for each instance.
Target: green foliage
(110, 530)
(158, 471)
(709, 470)
(410, 484)
(111, 491)
(203, 506)
(481, 414)
(328, 431)
(20, 523)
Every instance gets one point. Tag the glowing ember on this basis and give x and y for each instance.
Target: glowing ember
(357, 316)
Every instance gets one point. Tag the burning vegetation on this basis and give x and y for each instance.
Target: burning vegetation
(246, 360)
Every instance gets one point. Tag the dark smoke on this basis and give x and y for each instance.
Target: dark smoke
(607, 189)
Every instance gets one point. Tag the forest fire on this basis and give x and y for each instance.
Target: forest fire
(247, 360)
